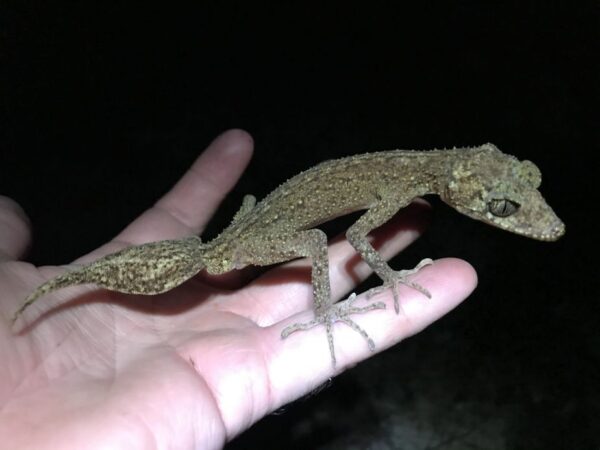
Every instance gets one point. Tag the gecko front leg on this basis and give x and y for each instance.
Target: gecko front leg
(376, 216)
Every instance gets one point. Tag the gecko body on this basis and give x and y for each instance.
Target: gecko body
(480, 182)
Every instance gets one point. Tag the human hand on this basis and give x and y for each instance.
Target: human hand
(197, 365)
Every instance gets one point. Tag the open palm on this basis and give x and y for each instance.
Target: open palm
(194, 367)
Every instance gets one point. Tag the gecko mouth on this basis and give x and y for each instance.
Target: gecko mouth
(542, 232)
(545, 227)
(555, 232)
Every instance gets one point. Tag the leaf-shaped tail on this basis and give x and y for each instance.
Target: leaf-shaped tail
(143, 269)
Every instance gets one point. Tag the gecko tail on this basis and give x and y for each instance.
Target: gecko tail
(68, 279)
(147, 269)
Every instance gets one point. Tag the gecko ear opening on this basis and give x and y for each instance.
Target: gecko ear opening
(530, 174)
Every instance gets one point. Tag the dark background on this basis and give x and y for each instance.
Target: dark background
(104, 106)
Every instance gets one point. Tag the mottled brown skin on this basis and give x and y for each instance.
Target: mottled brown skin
(480, 182)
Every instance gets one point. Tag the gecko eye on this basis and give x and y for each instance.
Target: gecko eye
(502, 207)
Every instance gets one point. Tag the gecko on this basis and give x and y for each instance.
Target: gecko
(481, 182)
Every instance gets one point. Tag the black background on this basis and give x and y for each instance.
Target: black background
(104, 106)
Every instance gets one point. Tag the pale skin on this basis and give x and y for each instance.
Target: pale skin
(199, 364)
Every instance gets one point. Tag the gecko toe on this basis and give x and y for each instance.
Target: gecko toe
(394, 278)
(338, 312)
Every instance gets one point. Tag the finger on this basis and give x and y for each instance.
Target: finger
(189, 205)
(302, 361)
(15, 230)
(287, 289)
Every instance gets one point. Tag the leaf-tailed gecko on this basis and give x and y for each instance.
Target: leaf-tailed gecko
(480, 182)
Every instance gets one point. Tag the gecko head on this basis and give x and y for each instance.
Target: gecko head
(498, 189)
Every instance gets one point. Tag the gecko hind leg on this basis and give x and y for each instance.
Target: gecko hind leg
(338, 312)
(394, 278)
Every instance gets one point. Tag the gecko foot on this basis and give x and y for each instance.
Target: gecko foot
(400, 277)
(338, 312)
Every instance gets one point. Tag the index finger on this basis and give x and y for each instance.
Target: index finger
(189, 205)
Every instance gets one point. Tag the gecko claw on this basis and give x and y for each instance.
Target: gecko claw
(338, 312)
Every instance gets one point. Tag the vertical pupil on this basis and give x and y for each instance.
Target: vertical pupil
(503, 207)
